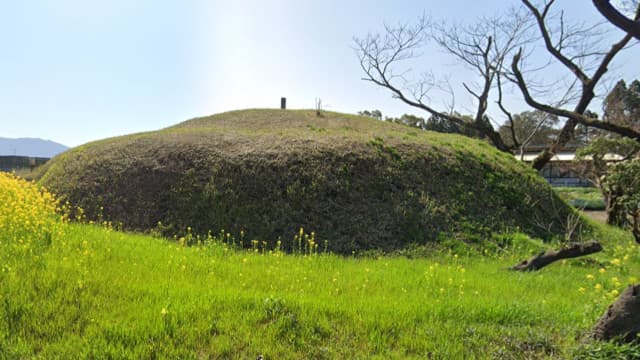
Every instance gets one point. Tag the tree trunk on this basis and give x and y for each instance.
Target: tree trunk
(545, 258)
(615, 214)
(635, 226)
(566, 134)
(621, 321)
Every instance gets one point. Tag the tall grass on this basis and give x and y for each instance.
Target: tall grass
(94, 292)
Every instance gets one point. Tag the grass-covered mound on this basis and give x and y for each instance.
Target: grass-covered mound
(358, 182)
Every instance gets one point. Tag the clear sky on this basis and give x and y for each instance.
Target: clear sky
(73, 71)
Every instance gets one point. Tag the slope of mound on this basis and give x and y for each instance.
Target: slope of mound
(357, 182)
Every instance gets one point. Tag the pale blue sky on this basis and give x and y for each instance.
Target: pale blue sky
(73, 71)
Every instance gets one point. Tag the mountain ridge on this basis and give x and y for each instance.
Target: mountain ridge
(33, 147)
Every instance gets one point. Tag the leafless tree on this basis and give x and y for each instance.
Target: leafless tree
(616, 17)
(574, 47)
(485, 47)
(482, 47)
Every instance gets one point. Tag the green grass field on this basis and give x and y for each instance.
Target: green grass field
(99, 293)
(79, 290)
(588, 198)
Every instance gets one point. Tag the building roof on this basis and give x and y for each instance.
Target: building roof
(565, 156)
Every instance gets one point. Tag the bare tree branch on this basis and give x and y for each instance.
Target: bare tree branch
(577, 117)
(612, 14)
(507, 113)
(378, 55)
(588, 83)
(555, 50)
(481, 47)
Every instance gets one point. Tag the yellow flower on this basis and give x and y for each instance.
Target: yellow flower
(164, 312)
(590, 277)
(597, 287)
(582, 290)
(602, 271)
(615, 262)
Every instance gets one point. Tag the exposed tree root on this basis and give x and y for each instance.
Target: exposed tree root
(621, 321)
(545, 258)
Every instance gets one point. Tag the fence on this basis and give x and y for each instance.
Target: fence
(11, 163)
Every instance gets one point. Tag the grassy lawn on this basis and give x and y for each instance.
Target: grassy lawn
(71, 290)
(588, 198)
(101, 293)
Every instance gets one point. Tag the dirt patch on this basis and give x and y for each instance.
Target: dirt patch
(600, 216)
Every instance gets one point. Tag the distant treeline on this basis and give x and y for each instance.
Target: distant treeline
(10, 163)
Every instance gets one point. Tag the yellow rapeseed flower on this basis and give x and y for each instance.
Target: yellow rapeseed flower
(615, 262)
(27, 212)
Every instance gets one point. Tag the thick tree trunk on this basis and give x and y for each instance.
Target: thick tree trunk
(545, 258)
(621, 321)
(635, 226)
(566, 134)
(615, 214)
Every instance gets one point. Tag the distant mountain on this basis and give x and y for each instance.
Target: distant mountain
(30, 147)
